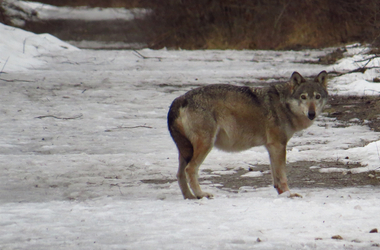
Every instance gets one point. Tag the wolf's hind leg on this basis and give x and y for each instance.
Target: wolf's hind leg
(201, 150)
(182, 180)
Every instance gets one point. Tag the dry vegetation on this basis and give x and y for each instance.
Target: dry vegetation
(251, 24)
(264, 24)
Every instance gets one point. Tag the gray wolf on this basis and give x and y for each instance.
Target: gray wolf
(236, 118)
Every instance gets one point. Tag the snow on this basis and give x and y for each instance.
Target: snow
(253, 174)
(49, 12)
(357, 83)
(81, 129)
(229, 222)
(20, 49)
(42, 11)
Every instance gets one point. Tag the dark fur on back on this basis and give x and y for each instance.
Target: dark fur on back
(217, 90)
(184, 146)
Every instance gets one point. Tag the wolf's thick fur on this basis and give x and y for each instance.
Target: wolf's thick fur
(237, 118)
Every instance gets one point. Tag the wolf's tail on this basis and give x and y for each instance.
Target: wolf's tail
(184, 145)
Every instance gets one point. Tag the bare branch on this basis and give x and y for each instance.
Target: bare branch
(6, 61)
(14, 80)
(61, 118)
(145, 57)
(358, 70)
(369, 58)
(140, 126)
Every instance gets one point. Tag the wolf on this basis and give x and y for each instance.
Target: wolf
(236, 118)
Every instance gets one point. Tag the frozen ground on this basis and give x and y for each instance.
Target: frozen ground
(81, 129)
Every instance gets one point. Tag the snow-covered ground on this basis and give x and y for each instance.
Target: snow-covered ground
(81, 129)
(24, 10)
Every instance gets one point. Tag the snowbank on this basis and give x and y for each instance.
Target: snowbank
(23, 10)
(356, 83)
(20, 50)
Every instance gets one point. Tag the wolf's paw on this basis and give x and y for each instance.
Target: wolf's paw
(189, 197)
(294, 195)
(204, 194)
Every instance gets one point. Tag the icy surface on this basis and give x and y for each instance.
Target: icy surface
(81, 129)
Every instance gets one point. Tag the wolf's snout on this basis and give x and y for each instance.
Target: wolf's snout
(311, 115)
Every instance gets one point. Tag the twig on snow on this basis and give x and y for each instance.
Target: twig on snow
(140, 126)
(14, 80)
(57, 117)
(23, 46)
(2, 69)
(368, 58)
(358, 70)
(145, 57)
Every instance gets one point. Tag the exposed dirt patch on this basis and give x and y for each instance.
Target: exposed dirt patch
(305, 174)
(300, 175)
(363, 110)
(329, 58)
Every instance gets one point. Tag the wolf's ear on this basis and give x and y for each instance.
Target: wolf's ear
(322, 79)
(296, 78)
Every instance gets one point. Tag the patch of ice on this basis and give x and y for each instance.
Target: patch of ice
(253, 174)
(332, 170)
(225, 172)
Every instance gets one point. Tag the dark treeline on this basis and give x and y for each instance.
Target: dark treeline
(251, 24)
(263, 24)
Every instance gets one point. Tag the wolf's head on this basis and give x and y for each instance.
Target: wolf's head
(307, 98)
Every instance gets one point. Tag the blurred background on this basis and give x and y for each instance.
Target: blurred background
(209, 24)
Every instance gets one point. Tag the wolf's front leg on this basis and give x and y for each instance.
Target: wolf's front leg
(277, 155)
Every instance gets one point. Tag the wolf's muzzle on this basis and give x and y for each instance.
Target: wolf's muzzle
(311, 115)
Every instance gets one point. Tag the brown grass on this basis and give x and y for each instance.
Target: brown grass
(271, 24)
(251, 24)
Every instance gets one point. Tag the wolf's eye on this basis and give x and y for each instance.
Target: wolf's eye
(303, 97)
(317, 96)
